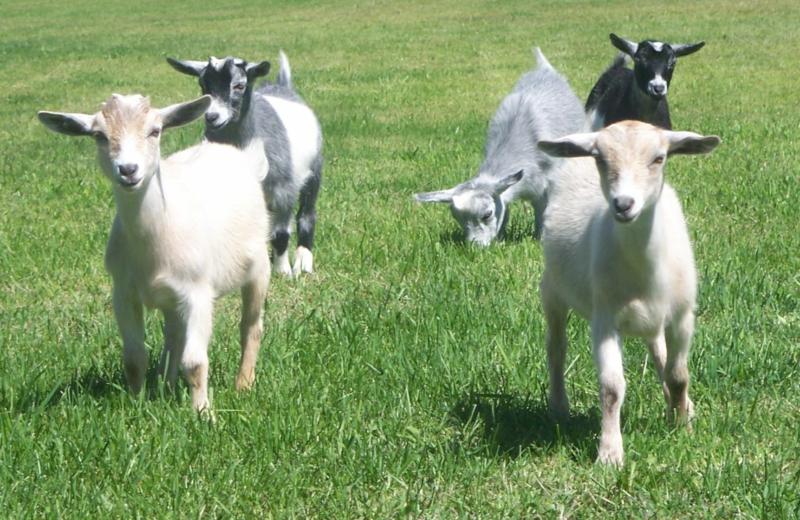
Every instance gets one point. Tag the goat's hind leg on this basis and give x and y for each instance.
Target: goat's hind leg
(658, 351)
(174, 339)
(251, 327)
(676, 371)
(307, 222)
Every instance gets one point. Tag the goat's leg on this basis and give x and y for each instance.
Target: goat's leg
(658, 351)
(174, 330)
(251, 327)
(307, 221)
(281, 232)
(130, 320)
(197, 316)
(555, 314)
(676, 371)
(607, 350)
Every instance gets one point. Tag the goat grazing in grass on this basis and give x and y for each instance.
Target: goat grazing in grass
(641, 93)
(289, 132)
(541, 106)
(617, 251)
(188, 229)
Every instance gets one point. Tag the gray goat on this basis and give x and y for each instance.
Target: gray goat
(292, 139)
(541, 106)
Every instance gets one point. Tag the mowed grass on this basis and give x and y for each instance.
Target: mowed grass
(407, 377)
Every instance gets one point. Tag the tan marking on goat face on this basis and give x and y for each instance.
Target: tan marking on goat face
(131, 129)
(630, 158)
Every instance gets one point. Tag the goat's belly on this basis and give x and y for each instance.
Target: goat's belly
(640, 318)
(158, 293)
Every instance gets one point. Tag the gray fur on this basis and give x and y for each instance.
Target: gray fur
(258, 118)
(541, 106)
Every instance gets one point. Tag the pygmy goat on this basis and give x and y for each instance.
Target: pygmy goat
(188, 229)
(617, 251)
(275, 115)
(641, 93)
(541, 106)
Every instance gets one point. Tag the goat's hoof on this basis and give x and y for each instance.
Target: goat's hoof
(303, 261)
(283, 268)
(610, 453)
(244, 382)
(559, 409)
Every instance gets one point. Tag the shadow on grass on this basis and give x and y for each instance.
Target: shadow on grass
(92, 383)
(508, 425)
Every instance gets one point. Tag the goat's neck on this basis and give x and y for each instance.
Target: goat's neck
(640, 245)
(647, 105)
(142, 213)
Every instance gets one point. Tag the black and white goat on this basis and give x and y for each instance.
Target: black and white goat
(291, 137)
(641, 93)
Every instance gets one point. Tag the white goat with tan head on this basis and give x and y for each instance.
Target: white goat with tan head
(617, 251)
(188, 229)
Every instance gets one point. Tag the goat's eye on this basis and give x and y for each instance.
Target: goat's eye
(155, 132)
(239, 87)
(486, 217)
(659, 160)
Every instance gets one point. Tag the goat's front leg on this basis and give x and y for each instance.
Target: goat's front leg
(555, 314)
(197, 315)
(130, 320)
(676, 371)
(607, 351)
(251, 327)
(658, 351)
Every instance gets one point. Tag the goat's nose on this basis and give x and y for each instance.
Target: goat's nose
(126, 170)
(623, 203)
(212, 116)
(660, 89)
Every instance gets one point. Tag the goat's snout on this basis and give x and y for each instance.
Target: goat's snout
(623, 206)
(211, 117)
(127, 170)
(660, 89)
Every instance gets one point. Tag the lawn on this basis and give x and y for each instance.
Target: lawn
(407, 376)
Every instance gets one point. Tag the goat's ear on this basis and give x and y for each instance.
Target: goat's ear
(256, 70)
(575, 145)
(68, 124)
(182, 113)
(684, 49)
(435, 196)
(190, 67)
(508, 181)
(691, 143)
(626, 46)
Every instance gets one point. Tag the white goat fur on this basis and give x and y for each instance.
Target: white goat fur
(626, 267)
(190, 230)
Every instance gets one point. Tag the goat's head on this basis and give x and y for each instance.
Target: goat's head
(127, 131)
(477, 205)
(630, 158)
(229, 81)
(654, 62)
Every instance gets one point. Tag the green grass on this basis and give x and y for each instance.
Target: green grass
(407, 377)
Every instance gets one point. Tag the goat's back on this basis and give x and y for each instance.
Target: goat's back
(215, 221)
(541, 106)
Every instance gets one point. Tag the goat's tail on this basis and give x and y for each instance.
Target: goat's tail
(284, 71)
(541, 61)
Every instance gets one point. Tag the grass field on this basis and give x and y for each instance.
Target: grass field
(407, 376)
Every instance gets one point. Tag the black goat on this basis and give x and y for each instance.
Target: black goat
(641, 93)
